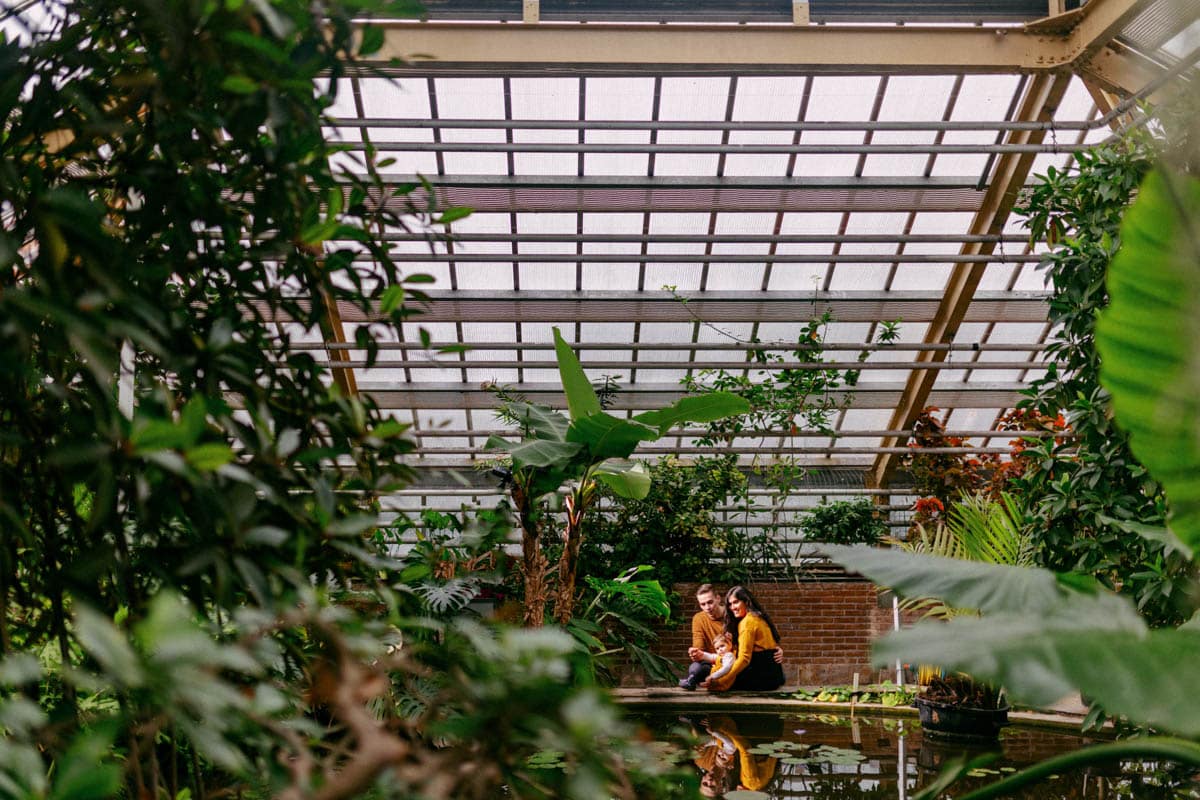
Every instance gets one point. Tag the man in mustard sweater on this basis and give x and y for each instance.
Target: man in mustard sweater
(707, 624)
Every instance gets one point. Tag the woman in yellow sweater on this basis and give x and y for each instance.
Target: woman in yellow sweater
(755, 638)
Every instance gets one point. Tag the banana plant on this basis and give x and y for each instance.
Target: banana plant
(587, 447)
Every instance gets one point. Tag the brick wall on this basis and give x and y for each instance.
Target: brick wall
(826, 627)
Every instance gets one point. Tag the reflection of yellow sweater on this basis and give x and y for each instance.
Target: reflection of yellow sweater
(753, 773)
(753, 635)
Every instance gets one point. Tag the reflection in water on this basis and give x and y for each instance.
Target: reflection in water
(868, 757)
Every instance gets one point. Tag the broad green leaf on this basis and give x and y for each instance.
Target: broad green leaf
(107, 644)
(85, 771)
(990, 588)
(372, 40)
(1149, 340)
(1040, 659)
(605, 436)
(581, 397)
(541, 420)
(453, 214)
(210, 456)
(626, 479)
(1153, 533)
(543, 453)
(700, 408)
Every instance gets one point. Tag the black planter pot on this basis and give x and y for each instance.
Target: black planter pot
(949, 722)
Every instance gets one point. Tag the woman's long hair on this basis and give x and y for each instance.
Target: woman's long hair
(752, 607)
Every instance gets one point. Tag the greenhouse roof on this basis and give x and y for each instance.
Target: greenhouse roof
(764, 173)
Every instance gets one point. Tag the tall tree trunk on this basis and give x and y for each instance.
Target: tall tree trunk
(568, 566)
(533, 562)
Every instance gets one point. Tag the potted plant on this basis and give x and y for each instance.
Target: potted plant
(957, 707)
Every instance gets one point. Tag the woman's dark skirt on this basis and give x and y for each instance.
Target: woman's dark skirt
(761, 675)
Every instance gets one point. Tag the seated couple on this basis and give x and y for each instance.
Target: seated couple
(738, 639)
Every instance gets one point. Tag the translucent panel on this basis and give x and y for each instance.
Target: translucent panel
(921, 277)
(1030, 280)
(403, 98)
(838, 98)
(996, 277)
(694, 164)
(489, 333)
(476, 163)
(619, 98)
(546, 276)
(726, 333)
(484, 275)
(438, 331)
(851, 332)
(1015, 333)
(470, 98)
(769, 98)
(693, 98)
(343, 102)
(670, 332)
(500, 375)
(827, 164)
(734, 277)
(1185, 42)
(865, 419)
(908, 99)
(982, 98)
(615, 332)
(544, 98)
(972, 419)
(616, 163)
(908, 332)
(611, 277)
(684, 277)
(859, 277)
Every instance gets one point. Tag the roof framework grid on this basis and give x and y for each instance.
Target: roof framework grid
(764, 173)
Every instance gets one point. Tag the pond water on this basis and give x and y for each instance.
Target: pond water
(778, 756)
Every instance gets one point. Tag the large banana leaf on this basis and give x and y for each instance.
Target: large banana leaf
(1148, 677)
(627, 479)
(541, 420)
(1149, 340)
(581, 397)
(699, 408)
(990, 588)
(535, 452)
(605, 436)
(1041, 637)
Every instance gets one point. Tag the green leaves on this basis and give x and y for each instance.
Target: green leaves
(707, 407)
(1149, 340)
(1040, 637)
(581, 397)
(605, 436)
(624, 478)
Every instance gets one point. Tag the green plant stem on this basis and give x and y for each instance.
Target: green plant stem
(1180, 750)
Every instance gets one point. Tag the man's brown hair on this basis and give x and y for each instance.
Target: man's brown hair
(705, 588)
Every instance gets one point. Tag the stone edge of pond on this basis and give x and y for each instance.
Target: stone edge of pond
(670, 698)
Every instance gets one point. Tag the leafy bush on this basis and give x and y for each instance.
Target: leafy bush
(845, 522)
(675, 528)
(192, 598)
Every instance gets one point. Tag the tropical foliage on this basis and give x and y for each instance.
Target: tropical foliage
(676, 528)
(1048, 634)
(592, 447)
(845, 522)
(1081, 490)
(193, 598)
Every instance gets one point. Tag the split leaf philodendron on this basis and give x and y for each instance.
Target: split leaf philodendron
(589, 446)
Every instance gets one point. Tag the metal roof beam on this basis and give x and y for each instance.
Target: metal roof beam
(660, 306)
(1039, 103)
(645, 397)
(571, 49)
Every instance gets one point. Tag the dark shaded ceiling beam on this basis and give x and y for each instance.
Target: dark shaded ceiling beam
(1041, 99)
(741, 364)
(645, 397)
(513, 306)
(781, 347)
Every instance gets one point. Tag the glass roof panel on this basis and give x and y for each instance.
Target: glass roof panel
(908, 99)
